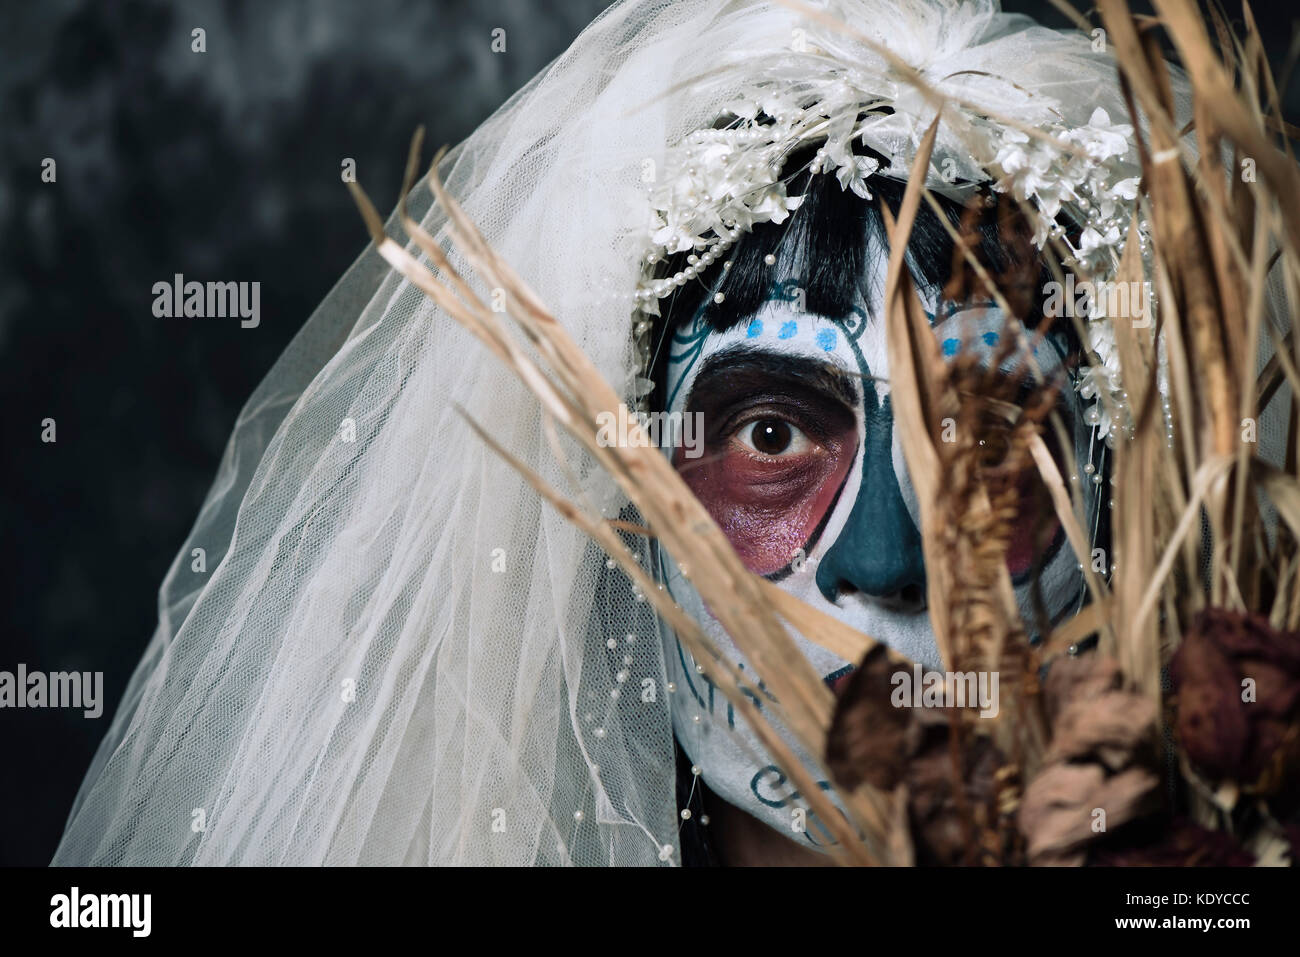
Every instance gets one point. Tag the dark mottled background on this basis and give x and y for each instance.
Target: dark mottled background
(223, 165)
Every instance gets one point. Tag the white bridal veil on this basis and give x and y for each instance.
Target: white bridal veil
(397, 653)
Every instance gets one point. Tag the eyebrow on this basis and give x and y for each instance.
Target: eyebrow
(753, 368)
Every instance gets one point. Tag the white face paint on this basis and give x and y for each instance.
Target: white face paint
(848, 548)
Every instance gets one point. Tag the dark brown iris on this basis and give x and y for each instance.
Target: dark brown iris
(771, 436)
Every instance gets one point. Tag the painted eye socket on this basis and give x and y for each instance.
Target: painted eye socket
(773, 437)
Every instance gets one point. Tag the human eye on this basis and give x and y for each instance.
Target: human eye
(773, 436)
(770, 472)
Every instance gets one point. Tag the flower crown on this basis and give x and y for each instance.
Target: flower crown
(718, 183)
(722, 182)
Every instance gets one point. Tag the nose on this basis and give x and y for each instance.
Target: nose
(879, 551)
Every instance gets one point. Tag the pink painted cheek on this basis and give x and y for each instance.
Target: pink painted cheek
(768, 509)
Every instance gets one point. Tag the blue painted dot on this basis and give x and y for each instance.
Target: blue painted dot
(755, 328)
(788, 329)
(990, 338)
(826, 339)
(950, 346)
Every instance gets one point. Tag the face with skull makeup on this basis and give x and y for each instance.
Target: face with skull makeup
(804, 472)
